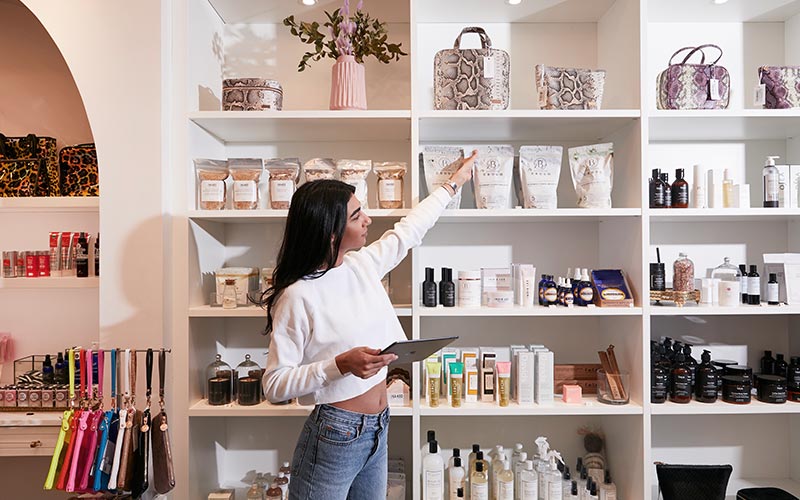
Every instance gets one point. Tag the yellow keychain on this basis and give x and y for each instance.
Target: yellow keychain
(66, 420)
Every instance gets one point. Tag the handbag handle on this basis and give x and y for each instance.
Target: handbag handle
(702, 61)
(486, 43)
(700, 48)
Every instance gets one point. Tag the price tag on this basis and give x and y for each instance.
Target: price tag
(713, 89)
(488, 67)
(760, 96)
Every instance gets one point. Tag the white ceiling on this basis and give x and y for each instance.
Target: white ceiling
(732, 11)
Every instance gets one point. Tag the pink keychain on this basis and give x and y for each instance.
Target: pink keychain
(83, 424)
(91, 436)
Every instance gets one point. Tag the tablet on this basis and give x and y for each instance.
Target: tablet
(408, 351)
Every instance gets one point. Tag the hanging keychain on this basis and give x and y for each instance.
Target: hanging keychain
(142, 457)
(130, 437)
(123, 415)
(93, 432)
(108, 428)
(163, 471)
(86, 452)
(63, 433)
(81, 427)
(73, 426)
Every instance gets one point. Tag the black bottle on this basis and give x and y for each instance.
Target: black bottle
(574, 491)
(781, 366)
(680, 190)
(691, 363)
(82, 257)
(60, 372)
(753, 286)
(656, 190)
(773, 290)
(767, 364)
(680, 381)
(97, 255)
(447, 289)
(542, 283)
(707, 381)
(429, 289)
(48, 375)
(659, 382)
(743, 282)
(667, 190)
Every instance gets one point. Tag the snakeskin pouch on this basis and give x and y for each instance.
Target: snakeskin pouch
(569, 88)
(251, 94)
(781, 85)
(694, 86)
(471, 78)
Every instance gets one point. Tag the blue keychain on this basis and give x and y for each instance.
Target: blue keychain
(109, 427)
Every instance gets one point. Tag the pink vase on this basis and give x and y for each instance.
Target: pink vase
(348, 84)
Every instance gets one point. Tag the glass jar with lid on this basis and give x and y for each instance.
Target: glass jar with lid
(683, 274)
(229, 294)
(248, 382)
(729, 278)
(219, 382)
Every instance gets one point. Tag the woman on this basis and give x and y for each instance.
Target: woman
(329, 317)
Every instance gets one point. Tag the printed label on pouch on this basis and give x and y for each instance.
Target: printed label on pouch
(281, 190)
(212, 191)
(390, 189)
(246, 191)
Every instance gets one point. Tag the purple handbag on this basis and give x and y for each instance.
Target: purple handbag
(694, 86)
(781, 86)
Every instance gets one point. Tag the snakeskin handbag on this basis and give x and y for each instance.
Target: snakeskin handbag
(471, 78)
(694, 86)
(569, 88)
(781, 86)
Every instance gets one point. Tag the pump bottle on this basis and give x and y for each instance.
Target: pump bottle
(771, 183)
(707, 381)
(429, 289)
(529, 483)
(681, 390)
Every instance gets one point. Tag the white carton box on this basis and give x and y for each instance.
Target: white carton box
(543, 381)
(525, 380)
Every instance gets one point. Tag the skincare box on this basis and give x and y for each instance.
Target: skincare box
(741, 196)
(493, 280)
(543, 377)
(612, 288)
(524, 382)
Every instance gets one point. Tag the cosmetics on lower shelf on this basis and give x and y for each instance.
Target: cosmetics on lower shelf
(69, 255)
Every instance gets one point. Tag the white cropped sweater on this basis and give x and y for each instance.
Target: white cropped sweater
(315, 320)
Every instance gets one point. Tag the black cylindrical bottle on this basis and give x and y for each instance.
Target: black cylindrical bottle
(60, 371)
(656, 190)
(667, 190)
(429, 289)
(97, 255)
(753, 286)
(659, 383)
(743, 283)
(447, 289)
(48, 375)
(680, 191)
(680, 381)
(658, 280)
(768, 363)
(781, 367)
(691, 363)
(82, 257)
(707, 381)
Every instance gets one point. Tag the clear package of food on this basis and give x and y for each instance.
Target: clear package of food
(246, 174)
(317, 169)
(390, 183)
(493, 176)
(283, 173)
(211, 175)
(355, 172)
(592, 169)
(440, 163)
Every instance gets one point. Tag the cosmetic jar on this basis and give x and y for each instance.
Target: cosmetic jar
(771, 389)
(469, 289)
(722, 363)
(501, 298)
(736, 389)
(738, 370)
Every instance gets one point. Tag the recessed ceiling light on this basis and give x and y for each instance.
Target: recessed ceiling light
(720, 2)
(513, 2)
(308, 2)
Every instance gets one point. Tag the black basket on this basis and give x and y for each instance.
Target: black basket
(693, 482)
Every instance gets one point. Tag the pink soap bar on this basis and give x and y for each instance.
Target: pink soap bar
(572, 394)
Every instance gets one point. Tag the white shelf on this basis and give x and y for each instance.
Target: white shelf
(590, 406)
(723, 408)
(55, 283)
(533, 215)
(458, 312)
(741, 310)
(701, 215)
(265, 409)
(257, 312)
(305, 126)
(519, 125)
(53, 204)
(724, 124)
(259, 216)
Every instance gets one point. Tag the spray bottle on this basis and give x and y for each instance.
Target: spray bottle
(553, 477)
(542, 465)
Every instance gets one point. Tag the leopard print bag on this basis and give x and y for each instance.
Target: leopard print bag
(569, 88)
(32, 147)
(79, 173)
(471, 78)
(19, 178)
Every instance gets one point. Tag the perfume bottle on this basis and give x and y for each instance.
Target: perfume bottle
(680, 190)
(429, 289)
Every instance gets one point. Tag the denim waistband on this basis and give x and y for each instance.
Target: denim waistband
(367, 420)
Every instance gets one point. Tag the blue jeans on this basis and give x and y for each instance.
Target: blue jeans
(341, 455)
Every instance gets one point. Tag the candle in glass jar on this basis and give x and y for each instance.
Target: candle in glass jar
(248, 391)
(219, 391)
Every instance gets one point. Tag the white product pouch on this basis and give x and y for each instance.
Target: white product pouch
(539, 171)
(493, 176)
(440, 163)
(355, 172)
(592, 169)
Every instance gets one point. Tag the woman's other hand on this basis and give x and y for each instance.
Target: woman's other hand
(464, 172)
(363, 362)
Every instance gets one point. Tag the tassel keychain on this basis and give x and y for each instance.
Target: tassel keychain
(64, 433)
(109, 427)
(163, 471)
(92, 433)
(80, 431)
(142, 456)
(123, 418)
(130, 440)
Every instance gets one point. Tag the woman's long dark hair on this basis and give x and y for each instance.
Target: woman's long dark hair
(317, 216)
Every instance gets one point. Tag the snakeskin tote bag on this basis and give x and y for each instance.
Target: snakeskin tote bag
(781, 86)
(569, 88)
(694, 86)
(471, 78)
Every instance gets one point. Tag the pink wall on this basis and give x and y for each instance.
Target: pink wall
(37, 92)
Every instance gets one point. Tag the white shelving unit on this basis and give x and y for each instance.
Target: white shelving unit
(632, 40)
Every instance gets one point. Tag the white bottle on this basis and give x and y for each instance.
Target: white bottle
(496, 468)
(519, 465)
(771, 183)
(553, 477)
(452, 460)
(542, 466)
(529, 483)
(608, 490)
(699, 187)
(425, 448)
(727, 189)
(478, 485)
(433, 474)
(515, 454)
(456, 477)
(505, 482)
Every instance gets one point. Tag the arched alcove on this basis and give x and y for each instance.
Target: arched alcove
(37, 91)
